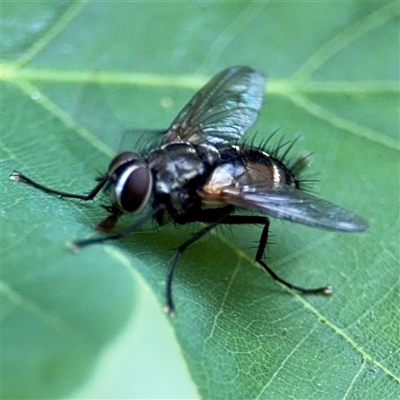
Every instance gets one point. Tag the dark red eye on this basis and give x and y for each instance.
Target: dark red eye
(133, 188)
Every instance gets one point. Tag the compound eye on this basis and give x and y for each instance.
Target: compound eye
(133, 188)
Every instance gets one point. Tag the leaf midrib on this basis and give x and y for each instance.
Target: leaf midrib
(276, 86)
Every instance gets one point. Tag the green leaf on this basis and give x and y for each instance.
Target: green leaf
(75, 77)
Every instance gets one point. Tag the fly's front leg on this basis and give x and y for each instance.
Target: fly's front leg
(108, 224)
(78, 244)
(104, 226)
(17, 176)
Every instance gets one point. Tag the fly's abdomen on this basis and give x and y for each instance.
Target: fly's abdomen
(258, 164)
(267, 166)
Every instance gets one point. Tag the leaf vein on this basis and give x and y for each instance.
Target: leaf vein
(345, 37)
(353, 381)
(227, 35)
(39, 45)
(48, 318)
(32, 91)
(320, 317)
(283, 363)
(343, 123)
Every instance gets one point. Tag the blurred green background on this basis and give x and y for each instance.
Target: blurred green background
(76, 76)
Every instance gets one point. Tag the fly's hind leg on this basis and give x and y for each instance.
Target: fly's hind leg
(261, 220)
(259, 258)
(214, 217)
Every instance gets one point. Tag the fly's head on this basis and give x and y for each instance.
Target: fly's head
(130, 182)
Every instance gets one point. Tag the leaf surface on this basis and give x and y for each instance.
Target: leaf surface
(77, 77)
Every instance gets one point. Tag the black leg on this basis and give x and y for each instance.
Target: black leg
(213, 217)
(78, 244)
(108, 223)
(254, 219)
(260, 252)
(17, 176)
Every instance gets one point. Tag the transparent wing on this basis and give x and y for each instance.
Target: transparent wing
(223, 110)
(278, 200)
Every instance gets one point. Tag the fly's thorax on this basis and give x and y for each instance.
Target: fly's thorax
(175, 165)
(130, 182)
(178, 169)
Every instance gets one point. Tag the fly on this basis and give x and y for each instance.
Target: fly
(200, 173)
